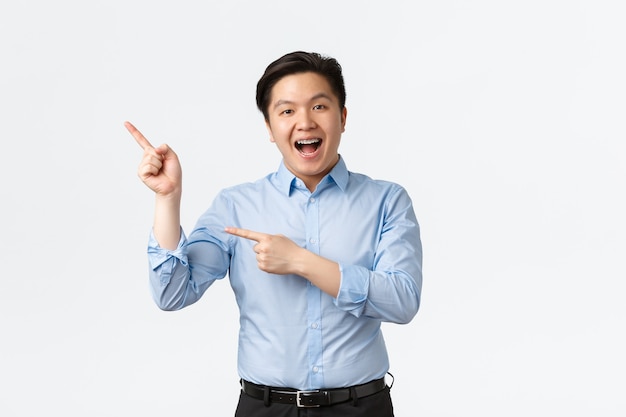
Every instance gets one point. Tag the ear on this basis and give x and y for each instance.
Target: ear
(269, 130)
(344, 115)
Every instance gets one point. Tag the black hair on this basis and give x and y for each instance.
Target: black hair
(299, 62)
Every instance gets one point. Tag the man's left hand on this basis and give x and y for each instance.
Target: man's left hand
(276, 254)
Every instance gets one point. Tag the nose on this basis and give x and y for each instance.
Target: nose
(306, 121)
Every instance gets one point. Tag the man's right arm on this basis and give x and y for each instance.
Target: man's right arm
(170, 254)
(160, 170)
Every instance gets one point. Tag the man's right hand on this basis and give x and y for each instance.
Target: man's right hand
(160, 168)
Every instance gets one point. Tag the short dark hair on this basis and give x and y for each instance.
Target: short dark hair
(295, 63)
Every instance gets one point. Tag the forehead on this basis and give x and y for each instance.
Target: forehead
(301, 86)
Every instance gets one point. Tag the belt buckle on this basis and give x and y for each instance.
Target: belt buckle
(305, 393)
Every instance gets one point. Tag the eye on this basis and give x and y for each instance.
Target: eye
(319, 107)
(286, 112)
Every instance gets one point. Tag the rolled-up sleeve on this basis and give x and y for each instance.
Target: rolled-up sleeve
(179, 277)
(391, 290)
(163, 260)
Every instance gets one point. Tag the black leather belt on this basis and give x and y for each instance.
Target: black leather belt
(312, 398)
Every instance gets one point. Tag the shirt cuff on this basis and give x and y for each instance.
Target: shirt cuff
(157, 256)
(353, 289)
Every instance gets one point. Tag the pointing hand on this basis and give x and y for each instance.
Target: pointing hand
(275, 254)
(160, 168)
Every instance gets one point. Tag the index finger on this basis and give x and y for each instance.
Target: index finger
(245, 233)
(141, 139)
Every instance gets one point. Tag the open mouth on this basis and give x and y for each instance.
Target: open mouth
(308, 146)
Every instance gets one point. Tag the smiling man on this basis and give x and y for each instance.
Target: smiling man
(317, 256)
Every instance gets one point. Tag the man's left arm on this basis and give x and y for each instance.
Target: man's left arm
(278, 254)
(391, 290)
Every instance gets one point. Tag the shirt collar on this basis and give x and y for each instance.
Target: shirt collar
(285, 180)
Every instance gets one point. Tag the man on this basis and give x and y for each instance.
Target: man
(318, 256)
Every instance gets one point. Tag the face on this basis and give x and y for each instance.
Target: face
(306, 123)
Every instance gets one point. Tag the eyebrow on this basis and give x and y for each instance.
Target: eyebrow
(315, 97)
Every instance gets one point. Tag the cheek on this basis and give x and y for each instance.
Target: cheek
(281, 132)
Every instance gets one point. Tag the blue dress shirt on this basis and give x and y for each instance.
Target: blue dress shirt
(291, 333)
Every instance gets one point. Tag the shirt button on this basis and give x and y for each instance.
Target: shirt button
(312, 200)
(313, 241)
(316, 369)
(314, 325)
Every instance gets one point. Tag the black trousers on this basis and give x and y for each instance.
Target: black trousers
(377, 405)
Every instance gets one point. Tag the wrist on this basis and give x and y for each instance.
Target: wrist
(302, 260)
(170, 198)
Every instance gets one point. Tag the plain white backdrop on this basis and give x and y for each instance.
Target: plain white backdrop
(503, 119)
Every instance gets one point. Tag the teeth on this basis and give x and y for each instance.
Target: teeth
(307, 141)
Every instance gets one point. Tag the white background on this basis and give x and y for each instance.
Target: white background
(503, 119)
